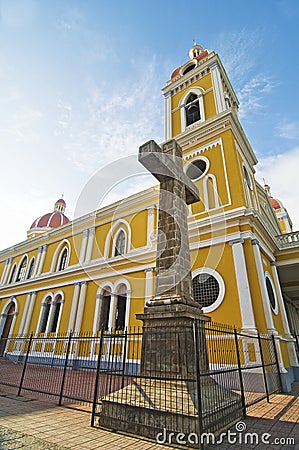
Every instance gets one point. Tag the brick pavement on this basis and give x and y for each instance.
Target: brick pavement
(41, 425)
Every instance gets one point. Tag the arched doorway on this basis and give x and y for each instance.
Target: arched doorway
(8, 318)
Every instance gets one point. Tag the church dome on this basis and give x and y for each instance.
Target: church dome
(276, 204)
(54, 219)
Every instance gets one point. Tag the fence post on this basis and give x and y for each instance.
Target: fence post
(277, 362)
(124, 359)
(25, 364)
(198, 380)
(65, 367)
(240, 374)
(263, 367)
(96, 384)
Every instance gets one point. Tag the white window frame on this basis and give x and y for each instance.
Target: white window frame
(220, 281)
(182, 105)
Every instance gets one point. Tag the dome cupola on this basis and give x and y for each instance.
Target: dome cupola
(50, 220)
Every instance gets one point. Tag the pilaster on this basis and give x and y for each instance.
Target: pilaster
(6, 270)
(74, 307)
(246, 308)
(83, 246)
(263, 288)
(217, 87)
(31, 303)
(80, 307)
(91, 232)
(168, 116)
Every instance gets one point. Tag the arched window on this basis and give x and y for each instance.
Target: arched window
(22, 269)
(120, 243)
(12, 274)
(56, 307)
(121, 306)
(63, 260)
(46, 305)
(192, 109)
(105, 309)
(30, 270)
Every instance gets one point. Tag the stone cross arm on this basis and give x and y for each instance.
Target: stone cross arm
(166, 162)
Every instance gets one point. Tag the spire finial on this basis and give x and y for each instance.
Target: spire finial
(194, 42)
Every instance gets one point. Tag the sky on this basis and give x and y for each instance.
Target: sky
(80, 90)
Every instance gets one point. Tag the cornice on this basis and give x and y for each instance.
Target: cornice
(91, 271)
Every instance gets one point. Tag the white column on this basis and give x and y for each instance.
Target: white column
(150, 224)
(91, 232)
(83, 246)
(168, 118)
(218, 88)
(80, 307)
(6, 270)
(291, 344)
(149, 287)
(74, 307)
(36, 264)
(247, 315)
(128, 307)
(29, 313)
(112, 314)
(42, 259)
(263, 288)
(96, 315)
(50, 317)
(24, 315)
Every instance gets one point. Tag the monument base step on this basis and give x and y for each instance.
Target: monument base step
(147, 407)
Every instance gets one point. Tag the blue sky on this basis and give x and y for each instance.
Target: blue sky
(80, 87)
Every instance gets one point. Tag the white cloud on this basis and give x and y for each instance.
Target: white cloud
(251, 95)
(239, 55)
(72, 19)
(113, 123)
(237, 52)
(281, 173)
(289, 130)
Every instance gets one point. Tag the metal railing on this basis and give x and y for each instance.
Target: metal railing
(218, 373)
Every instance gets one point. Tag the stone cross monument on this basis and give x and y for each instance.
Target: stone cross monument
(165, 394)
(173, 274)
(173, 308)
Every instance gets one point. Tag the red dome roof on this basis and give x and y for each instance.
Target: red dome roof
(50, 220)
(54, 219)
(176, 72)
(276, 204)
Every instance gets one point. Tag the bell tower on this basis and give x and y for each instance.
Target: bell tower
(197, 91)
(201, 113)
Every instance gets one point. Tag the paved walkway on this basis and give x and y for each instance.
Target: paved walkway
(41, 425)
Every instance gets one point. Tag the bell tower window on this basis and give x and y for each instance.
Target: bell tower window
(192, 109)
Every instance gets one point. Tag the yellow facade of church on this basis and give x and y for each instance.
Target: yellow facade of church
(97, 271)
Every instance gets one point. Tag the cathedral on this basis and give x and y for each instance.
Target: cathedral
(98, 271)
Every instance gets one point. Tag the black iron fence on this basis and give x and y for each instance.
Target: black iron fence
(202, 388)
